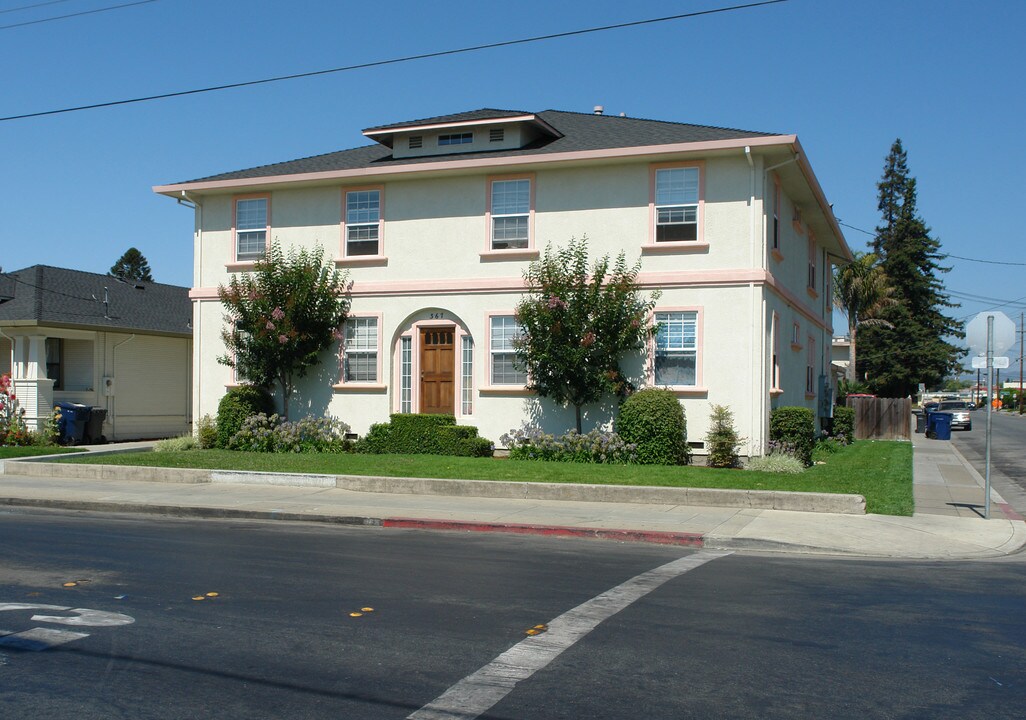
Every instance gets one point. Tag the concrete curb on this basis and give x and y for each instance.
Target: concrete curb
(706, 497)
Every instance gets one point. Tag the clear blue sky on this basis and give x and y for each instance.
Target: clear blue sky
(846, 77)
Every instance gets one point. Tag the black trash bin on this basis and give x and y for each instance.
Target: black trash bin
(920, 421)
(71, 426)
(94, 426)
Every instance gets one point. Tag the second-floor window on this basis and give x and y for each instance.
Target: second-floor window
(676, 348)
(456, 139)
(363, 222)
(676, 204)
(250, 228)
(511, 214)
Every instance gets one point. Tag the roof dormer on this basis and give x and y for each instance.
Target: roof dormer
(477, 131)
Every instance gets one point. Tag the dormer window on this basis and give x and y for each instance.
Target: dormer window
(456, 139)
(416, 141)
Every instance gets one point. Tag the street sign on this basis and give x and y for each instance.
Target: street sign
(1004, 333)
(980, 362)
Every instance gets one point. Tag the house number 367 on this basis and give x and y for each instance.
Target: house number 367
(437, 316)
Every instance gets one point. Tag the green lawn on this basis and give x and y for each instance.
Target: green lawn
(7, 452)
(880, 471)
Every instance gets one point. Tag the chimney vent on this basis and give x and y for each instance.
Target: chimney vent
(599, 110)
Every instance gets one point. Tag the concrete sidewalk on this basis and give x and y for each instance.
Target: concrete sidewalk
(940, 531)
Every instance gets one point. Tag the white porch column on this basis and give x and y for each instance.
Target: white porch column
(32, 388)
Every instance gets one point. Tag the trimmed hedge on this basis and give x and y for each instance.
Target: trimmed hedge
(238, 404)
(653, 420)
(414, 434)
(796, 428)
(844, 424)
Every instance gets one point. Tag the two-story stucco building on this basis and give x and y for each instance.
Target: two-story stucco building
(438, 218)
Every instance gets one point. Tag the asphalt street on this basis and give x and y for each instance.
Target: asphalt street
(724, 636)
(1008, 461)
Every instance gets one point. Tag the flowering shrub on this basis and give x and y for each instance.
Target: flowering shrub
(263, 433)
(12, 418)
(776, 463)
(593, 447)
(52, 429)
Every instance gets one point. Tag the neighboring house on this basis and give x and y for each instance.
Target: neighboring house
(438, 220)
(81, 337)
(840, 347)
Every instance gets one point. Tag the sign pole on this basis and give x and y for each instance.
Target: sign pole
(990, 409)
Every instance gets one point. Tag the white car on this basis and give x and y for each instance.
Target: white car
(959, 411)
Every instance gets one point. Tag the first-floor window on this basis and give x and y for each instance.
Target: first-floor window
(504, 329)
(676, 348)
(360, 355)
(54, 357)
(467, 368)
(250, 228)
(406, 374)
(810, 367)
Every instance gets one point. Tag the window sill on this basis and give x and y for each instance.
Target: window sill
(775, 392)
(674, 247)
(796, 347)
(360, 387)
(809, 395)
(797, 227)
(777, 255)
(812, 293)
(499, 390)
(687, 390)
(518, 254)
(362, 261)
(241, 265)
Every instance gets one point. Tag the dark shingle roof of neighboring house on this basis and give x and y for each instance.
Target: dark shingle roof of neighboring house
(57, 296)
(578, 132)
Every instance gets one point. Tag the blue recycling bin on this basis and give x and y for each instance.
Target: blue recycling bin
(942, 426)
(71, 426)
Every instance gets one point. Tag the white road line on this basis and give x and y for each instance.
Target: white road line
(479, 691)
(40, 638)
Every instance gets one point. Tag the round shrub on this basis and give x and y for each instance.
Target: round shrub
(795, 427)
(653, 420)
(844, 424)
(238, 404)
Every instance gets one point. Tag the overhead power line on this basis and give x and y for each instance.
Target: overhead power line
(30, 7)
(70, 15)
(395, 61)
(956, 257)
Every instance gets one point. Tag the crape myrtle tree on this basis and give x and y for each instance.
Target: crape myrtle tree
(132, 266)
(913, 349)
(281, 316)
(861, 292)
(577, 322)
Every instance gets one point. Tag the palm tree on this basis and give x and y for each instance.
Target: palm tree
(861, 291)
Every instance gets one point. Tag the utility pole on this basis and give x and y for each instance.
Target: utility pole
(1022, 331)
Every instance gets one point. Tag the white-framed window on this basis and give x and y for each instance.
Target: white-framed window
(796, 335)
(676, 348)
(502, 330)
(406, 374)
(456, 138)
(775, 353)
(775, 227)
(676, 204)
(360, 352)
(467, 376)
(810, 368)
(511, 214)
(55, 361)
(812, 261)
(251, 227)
(363, 222)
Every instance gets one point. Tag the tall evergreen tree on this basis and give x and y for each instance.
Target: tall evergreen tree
(914, 349)
(132, 266)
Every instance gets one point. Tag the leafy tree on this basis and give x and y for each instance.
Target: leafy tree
(578, 321)
(280, 317)
(132, 266)
(913, 349)
(861, 291)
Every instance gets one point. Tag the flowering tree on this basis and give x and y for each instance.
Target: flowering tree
(12, 418)
(577, 323)
(280, 317)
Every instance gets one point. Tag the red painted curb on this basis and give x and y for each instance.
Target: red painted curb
(649, 536)
(1009, 512)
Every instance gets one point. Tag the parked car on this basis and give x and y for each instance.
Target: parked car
(930, 405)
(959, 410)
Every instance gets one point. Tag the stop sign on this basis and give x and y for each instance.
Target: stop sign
(1004, 333)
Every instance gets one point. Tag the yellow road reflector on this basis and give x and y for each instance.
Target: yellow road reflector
(367, 609)
(532, 631)
(536, 630)
(200, 597)
(212, 594)
(541, 627)
(70, 584)
(356, 614)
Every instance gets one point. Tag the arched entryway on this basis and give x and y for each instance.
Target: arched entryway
(433, 351)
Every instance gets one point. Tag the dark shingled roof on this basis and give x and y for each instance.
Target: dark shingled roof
(57, 296)
(580, 131)
(482, 114)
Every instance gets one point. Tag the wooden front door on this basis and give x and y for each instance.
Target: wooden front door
(437, 370)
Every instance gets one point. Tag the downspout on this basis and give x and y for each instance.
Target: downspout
(194, 364)
(114, 374)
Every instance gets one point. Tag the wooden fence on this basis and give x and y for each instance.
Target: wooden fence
(882, 418)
